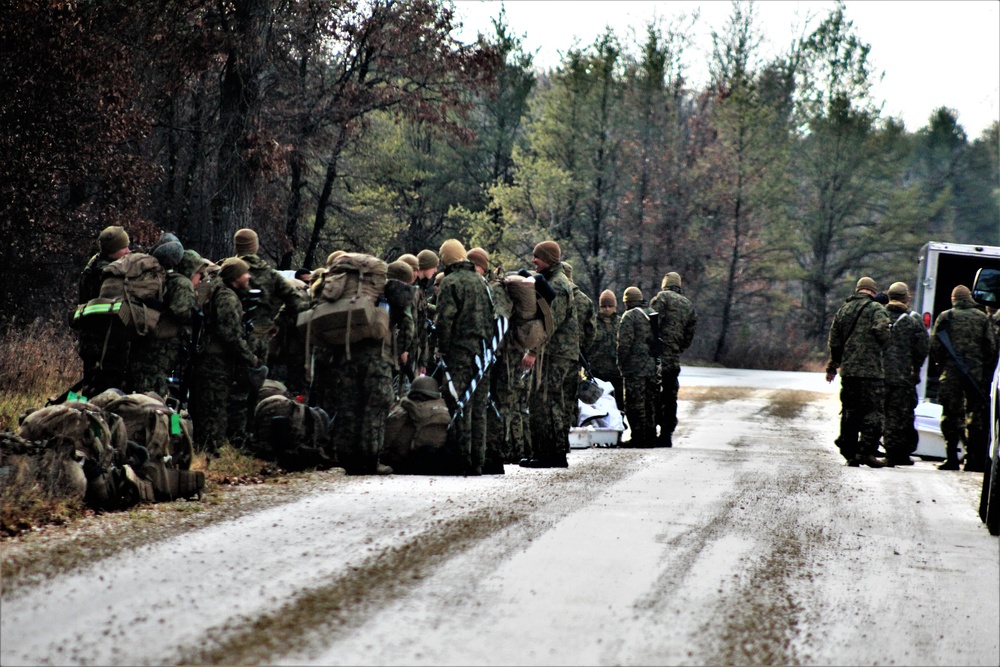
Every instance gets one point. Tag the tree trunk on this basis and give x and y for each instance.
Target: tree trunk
(239, 107)
(324, 197)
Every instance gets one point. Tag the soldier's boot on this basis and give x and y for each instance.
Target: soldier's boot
(951, 454)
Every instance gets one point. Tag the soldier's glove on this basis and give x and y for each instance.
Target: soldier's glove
(257, 376)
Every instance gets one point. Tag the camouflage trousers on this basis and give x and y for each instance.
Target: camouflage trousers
(549, 422)
(861, 401)
(666, 401)
(467, 435)
(209, 404)
(899, 436)
(640, 409)
(357, 395)
(507, 429)
(964, 416)
(153, 361)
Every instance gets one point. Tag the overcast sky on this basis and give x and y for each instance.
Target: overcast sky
(933, 53)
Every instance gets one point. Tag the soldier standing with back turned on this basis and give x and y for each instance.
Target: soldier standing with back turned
(859, 331)
(903, 356)
(678, 320)
(966, 372)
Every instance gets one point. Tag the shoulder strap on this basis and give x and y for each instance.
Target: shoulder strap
(855, 322)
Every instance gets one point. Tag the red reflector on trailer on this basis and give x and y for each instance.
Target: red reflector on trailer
(927, 320)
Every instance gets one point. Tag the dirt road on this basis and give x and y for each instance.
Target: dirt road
(748, 542)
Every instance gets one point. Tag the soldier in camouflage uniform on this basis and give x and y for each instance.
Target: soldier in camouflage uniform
(602, 353)
(559, 367)
(105, 359)
(902, 358)
(276, 293)
(859, 331)
(586, 316)
(423, 350)
(224, 348)
(157, 356)
(463, 322)
(964, 405)
(677, 323)
(637, 365)
(400, 294)
(354, 386)
(506, 416)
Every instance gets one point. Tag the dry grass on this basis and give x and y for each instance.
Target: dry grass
(715, 394)
(789, 403)
(34, 492)
(37, 361)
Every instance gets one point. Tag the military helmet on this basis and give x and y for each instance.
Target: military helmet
(425, 386)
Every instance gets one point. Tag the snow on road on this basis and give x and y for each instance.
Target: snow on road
(748, 542)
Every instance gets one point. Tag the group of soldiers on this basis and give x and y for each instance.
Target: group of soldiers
(879, 351)
(224, 327)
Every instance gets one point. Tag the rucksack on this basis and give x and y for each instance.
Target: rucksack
(291, 433)
(96, 441)
(531, 321)
(166, 436)
(351, 303)
(415, 433)
(130, 298)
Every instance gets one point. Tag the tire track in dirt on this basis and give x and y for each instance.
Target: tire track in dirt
(335, 608)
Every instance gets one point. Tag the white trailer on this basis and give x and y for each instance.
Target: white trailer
(941, 267)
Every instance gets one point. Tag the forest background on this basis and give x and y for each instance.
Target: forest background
(368, 126)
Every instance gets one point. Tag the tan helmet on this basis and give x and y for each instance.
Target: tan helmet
(425, 386)
(632, 294)
(866, 283)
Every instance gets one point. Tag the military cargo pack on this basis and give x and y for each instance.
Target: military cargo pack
(291, 433)
(351, 303)
(130, 299)
(415, 434)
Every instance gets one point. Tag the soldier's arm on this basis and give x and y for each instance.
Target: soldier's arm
(881, 328)
(836, 349)
(289, 295)
(689, 327)
(182, 301)
(589, 330)
(920, 347)
(445, 313)
(936, 352)
(626, 338)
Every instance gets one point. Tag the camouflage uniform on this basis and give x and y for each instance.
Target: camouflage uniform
(464, 323)
(677, 323)
(857, 354)
(401, 299)
(557, 376)
(277, 293)
(105, 358)
(507, 416)
(602, 353)
(586, 317)
(357, 394)
(422, 350)
(223, 349)
(964, 413)
(156, 356)
(902, 358)
(638, 368)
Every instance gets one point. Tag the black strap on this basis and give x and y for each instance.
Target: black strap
(855, 322)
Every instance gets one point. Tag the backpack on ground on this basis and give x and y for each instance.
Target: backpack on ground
(351, 303)
(291, 433)
(166, 435)
(415, 434)
(130, 299)
(95, 441)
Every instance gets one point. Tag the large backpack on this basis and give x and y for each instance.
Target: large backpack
(130, 298)
(415, 434)
(167, 437)
(531, 320)
(351, 304)
(291, 433)
(94, 440)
